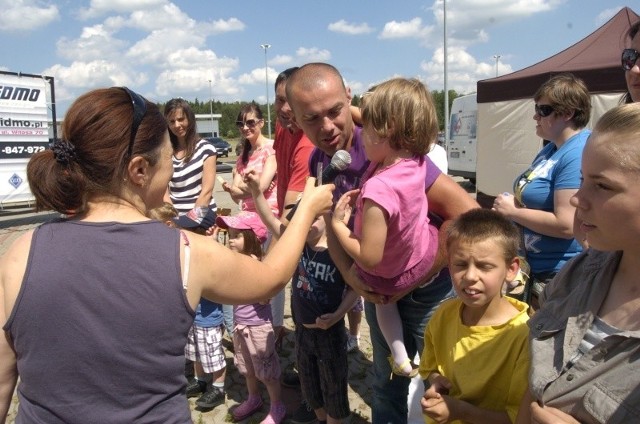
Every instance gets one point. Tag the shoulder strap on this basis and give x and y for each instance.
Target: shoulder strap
(187, 257)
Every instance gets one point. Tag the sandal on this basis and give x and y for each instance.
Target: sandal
(399, 369)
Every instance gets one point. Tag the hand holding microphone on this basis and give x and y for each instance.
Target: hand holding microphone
(339, 162)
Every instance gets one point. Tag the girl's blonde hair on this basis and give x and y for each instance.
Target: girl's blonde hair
(403, 111)
(163, 213)
(623, 122)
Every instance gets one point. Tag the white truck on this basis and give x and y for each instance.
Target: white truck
(462, 142)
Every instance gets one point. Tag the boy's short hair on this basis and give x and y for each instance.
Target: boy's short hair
(163, 213)
(478, 225)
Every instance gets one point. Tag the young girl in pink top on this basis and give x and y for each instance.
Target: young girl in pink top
(392, 244)
(253, 336)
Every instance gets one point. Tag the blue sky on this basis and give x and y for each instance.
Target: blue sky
(166, 49)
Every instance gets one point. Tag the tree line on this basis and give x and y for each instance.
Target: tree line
(229, 112)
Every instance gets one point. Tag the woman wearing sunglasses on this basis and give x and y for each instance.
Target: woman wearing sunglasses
(194, 165)
(540, 203)
(96, 308)
(258, 156)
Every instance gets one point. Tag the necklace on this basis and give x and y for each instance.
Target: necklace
(309, 259)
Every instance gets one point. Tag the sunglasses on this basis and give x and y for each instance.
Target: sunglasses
(544, 110)
(250, 123)
(139, 109)
(629, 58)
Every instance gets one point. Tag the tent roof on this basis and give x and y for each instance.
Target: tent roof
(595, 59)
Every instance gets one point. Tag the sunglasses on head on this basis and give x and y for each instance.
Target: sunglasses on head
(544, 110)
(250, 123)
(629, 58)
(139, 109)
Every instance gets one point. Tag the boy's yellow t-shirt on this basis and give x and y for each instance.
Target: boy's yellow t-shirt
(487, 365)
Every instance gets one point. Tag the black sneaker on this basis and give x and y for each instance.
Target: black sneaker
(304, 414)
(211, 398)
(195, 387)
(291, 378)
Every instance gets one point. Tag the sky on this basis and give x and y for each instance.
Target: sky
(212, 49)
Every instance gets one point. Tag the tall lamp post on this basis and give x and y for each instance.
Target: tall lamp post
(446, 78)
(497, 58)
(211, 108)
(266, 83)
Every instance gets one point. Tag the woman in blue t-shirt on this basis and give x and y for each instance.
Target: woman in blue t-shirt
(540, 203)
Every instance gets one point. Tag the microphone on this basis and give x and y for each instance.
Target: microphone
(339, 162)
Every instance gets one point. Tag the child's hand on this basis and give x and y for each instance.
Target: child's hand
(344, 207)
(437, 408)
(439, 384)
(549, 415)
(326, 321)
(252, 180)
(213, 231)
(226, 187)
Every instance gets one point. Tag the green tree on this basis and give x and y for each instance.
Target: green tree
(438, 99)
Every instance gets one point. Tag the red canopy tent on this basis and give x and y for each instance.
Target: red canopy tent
(506, 131)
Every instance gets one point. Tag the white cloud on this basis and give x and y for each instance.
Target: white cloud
(404, 29)
(605, 15)
(166, 16)
(313, 54)
(221, 25)
(95, 42)
(159, 44)
(350, 28)
(25, 15)
(463, 70)
(280, 60)
(98, 8)
(97, 73)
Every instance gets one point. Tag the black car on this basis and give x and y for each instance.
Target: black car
(222, 147)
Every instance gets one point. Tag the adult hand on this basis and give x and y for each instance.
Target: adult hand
(252, 180)
(361, 288)
(505, 203)
(226, 187)
(550, 415)
(318, 199)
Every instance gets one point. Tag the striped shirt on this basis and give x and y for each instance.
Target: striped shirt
(186, 183)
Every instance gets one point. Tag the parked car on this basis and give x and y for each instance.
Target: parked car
(222, 147)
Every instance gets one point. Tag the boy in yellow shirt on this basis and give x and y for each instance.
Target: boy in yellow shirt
(476, 355)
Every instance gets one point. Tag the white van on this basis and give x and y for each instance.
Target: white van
(461, 146)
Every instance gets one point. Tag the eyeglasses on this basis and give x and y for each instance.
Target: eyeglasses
(544, 110)
(250, 123)
(629, 58)
(139, 110)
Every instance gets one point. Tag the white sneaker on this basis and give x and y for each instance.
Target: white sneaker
(353, 343)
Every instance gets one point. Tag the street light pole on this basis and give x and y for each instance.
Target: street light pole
(446, 78)
(211, 108)
(266, 83)
(497, 58)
